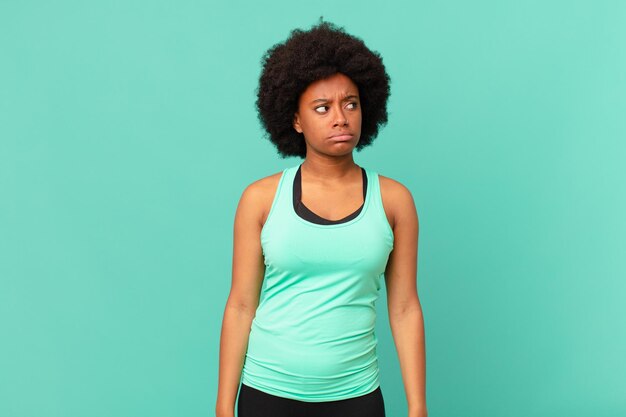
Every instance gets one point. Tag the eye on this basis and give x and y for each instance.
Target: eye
(321, 107)
(354, 105)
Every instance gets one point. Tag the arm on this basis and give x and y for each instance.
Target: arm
(405, 311)
(247, 277)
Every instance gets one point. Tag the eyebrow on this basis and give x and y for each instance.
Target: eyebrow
(324, 100)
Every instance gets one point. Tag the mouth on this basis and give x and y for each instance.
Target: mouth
(342, 137)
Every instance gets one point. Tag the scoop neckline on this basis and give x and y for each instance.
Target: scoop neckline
(368, 193)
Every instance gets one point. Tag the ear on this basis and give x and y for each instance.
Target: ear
(296, 123)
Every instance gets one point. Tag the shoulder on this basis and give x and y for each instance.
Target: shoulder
(394, 188)
(260, 187)
(397, 200)
(257, 197)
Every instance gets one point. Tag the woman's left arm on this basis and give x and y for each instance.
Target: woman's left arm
(405, 312)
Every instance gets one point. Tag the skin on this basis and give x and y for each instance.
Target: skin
(329, 173)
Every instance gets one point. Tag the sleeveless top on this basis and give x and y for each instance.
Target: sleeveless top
(312, 337)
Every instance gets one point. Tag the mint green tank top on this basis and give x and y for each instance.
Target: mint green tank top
(312, 337)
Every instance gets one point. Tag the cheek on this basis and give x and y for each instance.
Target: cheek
(313, 128)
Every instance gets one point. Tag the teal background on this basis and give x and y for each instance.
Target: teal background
(128, 132)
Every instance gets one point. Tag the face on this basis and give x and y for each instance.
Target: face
(329, 115)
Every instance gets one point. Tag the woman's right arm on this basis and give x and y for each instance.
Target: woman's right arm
(248, 269)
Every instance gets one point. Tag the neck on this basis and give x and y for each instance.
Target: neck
(330, 169)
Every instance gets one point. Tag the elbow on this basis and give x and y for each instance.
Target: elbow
(242, 306)
(409, 309)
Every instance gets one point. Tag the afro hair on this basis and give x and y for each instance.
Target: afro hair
(307, 56)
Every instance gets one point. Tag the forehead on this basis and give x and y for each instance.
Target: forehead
(335, 85)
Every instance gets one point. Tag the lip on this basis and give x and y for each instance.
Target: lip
(342, 137)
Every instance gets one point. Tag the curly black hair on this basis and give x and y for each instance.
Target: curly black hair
(307, 56)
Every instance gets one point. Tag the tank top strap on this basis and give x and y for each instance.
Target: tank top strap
(376, 203)
(283, 196)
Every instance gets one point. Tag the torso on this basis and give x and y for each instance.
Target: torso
(313, 333)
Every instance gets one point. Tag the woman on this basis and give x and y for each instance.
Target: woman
(312, 243)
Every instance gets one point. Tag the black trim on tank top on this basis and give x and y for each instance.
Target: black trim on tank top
(304, 212)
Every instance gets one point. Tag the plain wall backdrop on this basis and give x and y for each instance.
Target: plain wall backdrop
(128, 133)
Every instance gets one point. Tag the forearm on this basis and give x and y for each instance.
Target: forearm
(407, 328)
(233, 345)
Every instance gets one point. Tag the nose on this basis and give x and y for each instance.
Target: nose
(340, 118)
